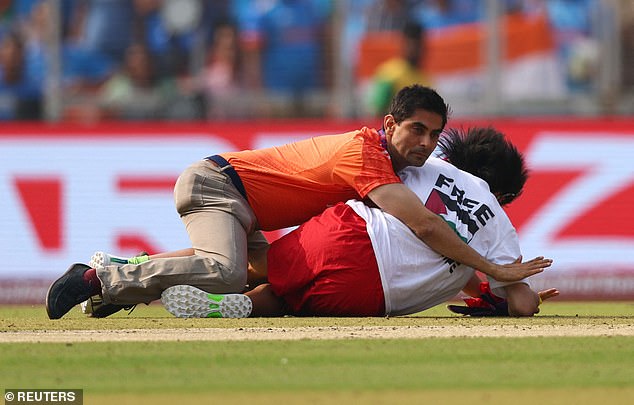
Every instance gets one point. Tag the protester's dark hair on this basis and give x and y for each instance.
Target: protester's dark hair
(415, 97)
(486, 153)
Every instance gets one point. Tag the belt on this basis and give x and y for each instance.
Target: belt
(229, 171)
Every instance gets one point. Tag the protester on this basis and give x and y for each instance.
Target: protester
(354, 260)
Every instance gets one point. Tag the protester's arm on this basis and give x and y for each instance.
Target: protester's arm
(175, 253)
(258, 266)
(472, 288)
(401, 202)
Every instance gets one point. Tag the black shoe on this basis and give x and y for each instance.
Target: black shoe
(67, 291)
(105, 310)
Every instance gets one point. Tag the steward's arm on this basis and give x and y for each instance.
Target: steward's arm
(399, 201)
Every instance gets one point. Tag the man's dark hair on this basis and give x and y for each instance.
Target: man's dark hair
(413, 30)
(486, 153)
(415, 97)
(413, 43)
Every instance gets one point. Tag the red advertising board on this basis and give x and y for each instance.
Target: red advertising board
(68, 190)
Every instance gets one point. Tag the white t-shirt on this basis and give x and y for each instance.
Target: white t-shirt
(415, 277)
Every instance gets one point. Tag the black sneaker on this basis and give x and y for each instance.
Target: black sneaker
(67, 291)
(105, 310)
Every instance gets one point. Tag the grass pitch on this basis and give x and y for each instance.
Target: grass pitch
(545, 370)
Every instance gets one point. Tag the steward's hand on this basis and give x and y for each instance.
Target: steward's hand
(517, 270)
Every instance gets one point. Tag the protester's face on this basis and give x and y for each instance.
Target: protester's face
(412, 141)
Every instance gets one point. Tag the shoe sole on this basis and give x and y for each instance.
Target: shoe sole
(99, 259)
(91, 304)
(103, 259)
(184, 301)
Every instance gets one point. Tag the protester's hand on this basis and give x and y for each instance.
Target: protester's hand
(475, 310)
(517, 270)
(547, 294)
(487, 304)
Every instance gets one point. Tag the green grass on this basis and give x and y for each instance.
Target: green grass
(554, 370)
(316, 365)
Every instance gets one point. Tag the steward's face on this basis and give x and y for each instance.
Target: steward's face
(412, 141)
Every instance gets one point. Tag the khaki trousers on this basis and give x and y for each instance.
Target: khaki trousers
(222, 228)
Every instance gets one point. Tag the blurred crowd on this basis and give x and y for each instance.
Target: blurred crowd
(228, 59)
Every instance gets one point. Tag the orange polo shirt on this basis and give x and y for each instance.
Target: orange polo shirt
(287, 185)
